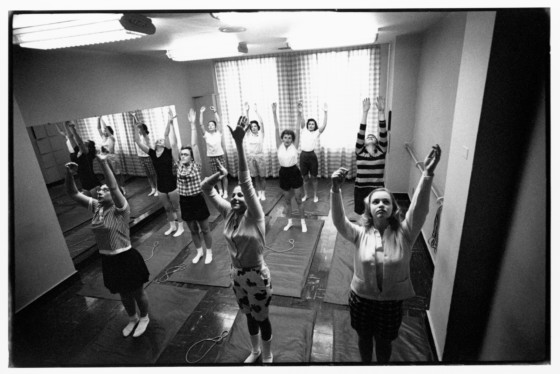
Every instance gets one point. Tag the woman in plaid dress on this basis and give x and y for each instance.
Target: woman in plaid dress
(381, 279)
(193, 206)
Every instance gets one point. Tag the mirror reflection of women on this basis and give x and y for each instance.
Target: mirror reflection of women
(214, 150)
(123, 267)
(291, 180)
(144, 158)
(193, 206)
(244, 231)
(163, 157)
(108, 148)
(254, 141)
(381, 279)
(308, 162)
(84, 154)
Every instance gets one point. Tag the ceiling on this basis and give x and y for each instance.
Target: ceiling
(268, 31)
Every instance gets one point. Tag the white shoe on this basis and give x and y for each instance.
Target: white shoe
(304, 198)
(208, 258)
(142, 325)
(172, 227)
(131, 325)
(290, 224)
(266, 351)
(198, 256)
(303, 226)
(157, 193)
(315, 199)
(180, 229)
(152, 193)
(263, 198)
(255, 349)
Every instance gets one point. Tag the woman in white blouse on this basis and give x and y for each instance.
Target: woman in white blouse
(291, 180)
(214, 150)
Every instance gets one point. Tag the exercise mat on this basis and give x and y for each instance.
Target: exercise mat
(289, 266)
(341, 271)
(292, 337)
(169, 309)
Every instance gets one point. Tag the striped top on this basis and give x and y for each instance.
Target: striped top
(110, 227)
(370, 168)
(188, 179)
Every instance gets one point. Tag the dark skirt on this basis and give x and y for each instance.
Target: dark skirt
(380, 318)
(124, 272)
(194, 208)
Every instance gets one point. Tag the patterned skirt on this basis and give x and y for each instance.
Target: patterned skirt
(380, 318)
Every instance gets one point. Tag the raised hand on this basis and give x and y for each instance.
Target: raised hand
(202, 109)
(133, 115)
(240, 130)
(213, 109)
(247, 107)
(223, 170)
(170, 114)
(432, 159)
(192, 115)
(338, 177)
(300, 106)
(274, 107)
(366, 104)
(72, 166)
(325, 107)
(380, 103)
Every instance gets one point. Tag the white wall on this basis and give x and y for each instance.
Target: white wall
(470, 91)
(53, 86)
(41, 257)
(405, 55)
(438, 77)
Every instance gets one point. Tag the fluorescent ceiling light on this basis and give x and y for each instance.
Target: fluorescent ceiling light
(205, 47)
(48, 31)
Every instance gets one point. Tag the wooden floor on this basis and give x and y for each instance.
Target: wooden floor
(55, 329)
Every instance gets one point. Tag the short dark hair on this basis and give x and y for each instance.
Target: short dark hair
(256, 123)
(288, 132)
(91, 147)
(190, 149)
(144, 128)
(110, 129)
(307, 124)
(214, 122)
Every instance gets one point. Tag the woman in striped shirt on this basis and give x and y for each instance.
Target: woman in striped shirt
(124, 270)
(291, 180)
(244, 230)
(370, 155)
(193, 206)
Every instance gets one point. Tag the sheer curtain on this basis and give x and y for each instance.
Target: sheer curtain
(342, 79)
(125, 148)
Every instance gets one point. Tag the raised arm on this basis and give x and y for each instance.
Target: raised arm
(101, 127)
(118, 198)
(77, 138)
(217, 118)
(70, 184)
(201, 120)
(61, 132)
(276, 124)
(70, 135)
(360, 140)
(346, 228)
(420, 202)
(194, 134)
(207, 187)
(171, 138)
(380, 104)
(300, 120)
(261, 123)
(136, 132)
(325, 113)
(254, 207)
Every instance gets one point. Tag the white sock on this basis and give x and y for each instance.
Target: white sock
(304, 197)
(142, 325)
(153, 192)
(303, 225)
(315, 199)
(198, 255)
(290, 224)
(157, 193)
(263, 197)
(208, 258)
(132, 321)
(172, 227)
(180, 229)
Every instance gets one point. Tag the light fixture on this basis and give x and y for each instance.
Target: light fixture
(50, 31)
(204, 47)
